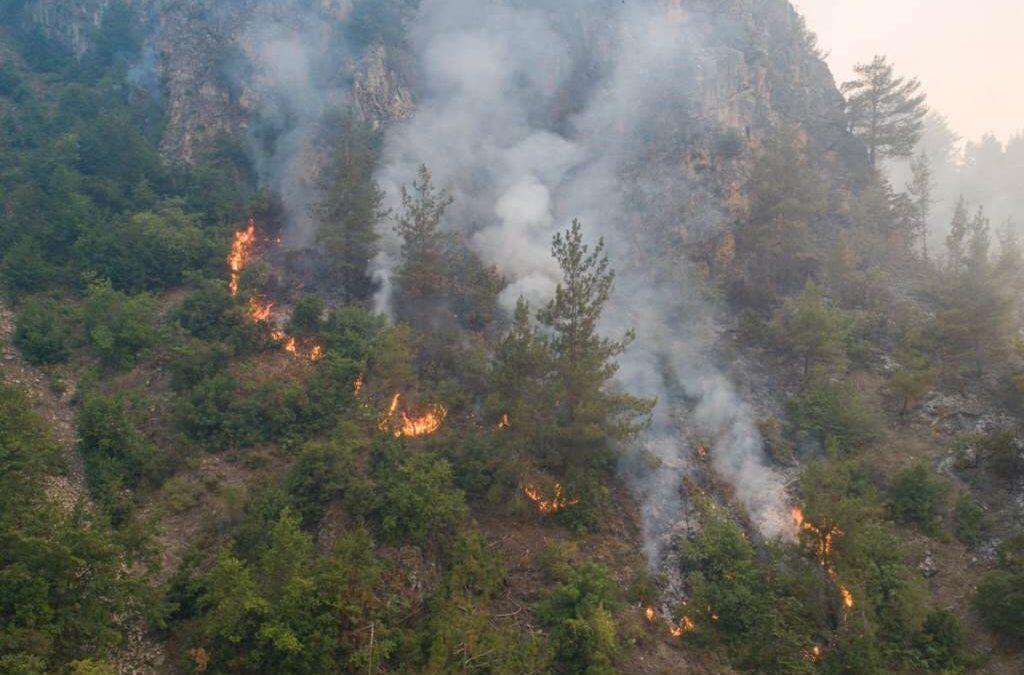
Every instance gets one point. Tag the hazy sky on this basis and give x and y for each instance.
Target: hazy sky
(968, 55)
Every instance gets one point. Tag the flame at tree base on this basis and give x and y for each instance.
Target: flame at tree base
(549, 505)
(823, 551)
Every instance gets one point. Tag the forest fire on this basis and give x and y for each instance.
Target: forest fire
(823, 537)
(677, 630)
(423, 425)
(357, 386)
(546, 505)
(650, 614)
(241, 251)
(260, 310)
(504, 423)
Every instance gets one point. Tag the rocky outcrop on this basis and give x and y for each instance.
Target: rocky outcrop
(70, 23)
(380, 93)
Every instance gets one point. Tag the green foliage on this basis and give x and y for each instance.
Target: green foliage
(761, 617)
(63, 584)
(210, 313)
(353, 203)
(915, 497)
(118, 326)
(813, 331)
(327, 471)
(775, 247)
(307, 315)
(41, 332)
(969, 522)
(579, 617)
(916, 374)
(885, 111)
(118, 456)
(290, 611)
(147, 251)
(1001, 451)
(1000, 601)
(590, 418)
(834, 415)
(420, 501)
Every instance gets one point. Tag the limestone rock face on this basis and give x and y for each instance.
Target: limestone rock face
(753, 67)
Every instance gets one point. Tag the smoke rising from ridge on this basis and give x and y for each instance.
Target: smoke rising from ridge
(535, 112)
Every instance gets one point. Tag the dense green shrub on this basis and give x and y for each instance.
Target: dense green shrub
(1000, 601)
(117, 455)
(969, 522)
(420, 500)
(327, 471)
(916, 496)
(834, 415)
(578, 615)
(64, 587)
(119, 326)
(41, 333)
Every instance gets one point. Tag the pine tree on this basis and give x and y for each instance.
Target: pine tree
(520, 378)
(813, 330)
(885, 111)
(920, 189)
(591, 417)
(351, 208)
(422, 277)
(957, 235)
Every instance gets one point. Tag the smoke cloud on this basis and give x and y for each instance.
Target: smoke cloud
(534, 112)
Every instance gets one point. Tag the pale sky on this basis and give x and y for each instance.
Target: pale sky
(969, 56)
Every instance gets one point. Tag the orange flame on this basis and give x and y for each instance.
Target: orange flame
(259, 310)
(823, 537)
(357, 386)
(504, 423)
(649, 613)
(241, 251)
(423, 425)
(552, 505)
(677, 630)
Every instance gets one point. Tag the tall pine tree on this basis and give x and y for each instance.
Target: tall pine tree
(887, 112)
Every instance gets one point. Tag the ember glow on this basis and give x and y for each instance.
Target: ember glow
(649, 613)
(357, 386)
(504, 423)
(823, 537)
(548, 505)
(241, 251)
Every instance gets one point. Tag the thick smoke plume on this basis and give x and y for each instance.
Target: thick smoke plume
(535, 112)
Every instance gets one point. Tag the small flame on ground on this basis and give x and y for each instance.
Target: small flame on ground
(357, 386)
(649, 613)
(504, 423)
(677, 630)
(552, 505)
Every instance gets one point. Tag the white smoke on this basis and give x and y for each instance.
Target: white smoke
(495, 78)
